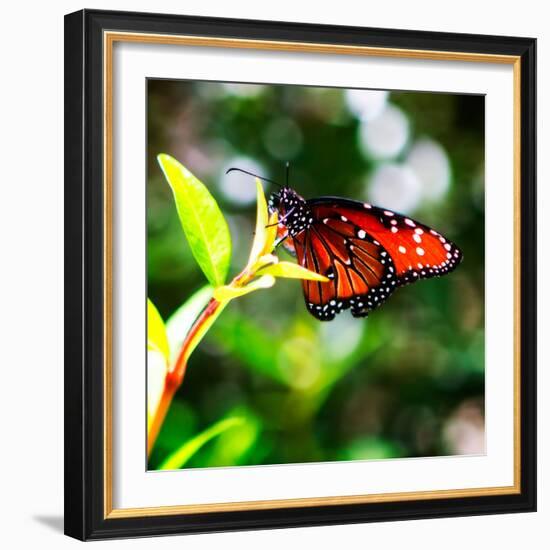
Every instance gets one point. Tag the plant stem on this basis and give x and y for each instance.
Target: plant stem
(175, 375)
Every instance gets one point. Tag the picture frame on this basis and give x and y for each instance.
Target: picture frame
(90, 251)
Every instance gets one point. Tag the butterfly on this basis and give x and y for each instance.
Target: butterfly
(365, 251)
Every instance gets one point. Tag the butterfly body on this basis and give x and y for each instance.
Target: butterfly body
(294, 212)
(365, 251)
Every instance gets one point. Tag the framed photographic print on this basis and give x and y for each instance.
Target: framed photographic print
(300, 274)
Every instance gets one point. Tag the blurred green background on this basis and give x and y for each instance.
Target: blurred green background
(406, 382)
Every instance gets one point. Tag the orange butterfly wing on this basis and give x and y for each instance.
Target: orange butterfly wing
(361, 273)
(366, 252)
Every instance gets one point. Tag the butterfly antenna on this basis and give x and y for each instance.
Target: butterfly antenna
(255, 175)
(287, 172)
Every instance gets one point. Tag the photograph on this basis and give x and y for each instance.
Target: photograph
(315, 274)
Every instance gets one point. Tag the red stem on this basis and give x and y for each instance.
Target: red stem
(175, 375)
(177, 372)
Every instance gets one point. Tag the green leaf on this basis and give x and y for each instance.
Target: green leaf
(157, 368)
(261, 232)
(181, 456)
(202, 220)
(234, 446)
(179, 323)
(290, 270)
(226, 293)
(156, 332)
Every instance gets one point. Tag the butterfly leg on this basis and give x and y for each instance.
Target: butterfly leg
(281, 241)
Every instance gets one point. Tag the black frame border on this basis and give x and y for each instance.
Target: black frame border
(84, 288)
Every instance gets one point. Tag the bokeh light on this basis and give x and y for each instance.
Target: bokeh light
(366, 104)
(239, 188)
(430, 163)
(283, 138)
(243, 90)
(385, 136)
(341, 337)
(464, 432)
(395, 186)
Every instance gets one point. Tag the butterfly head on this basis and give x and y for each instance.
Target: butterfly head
(294, 212)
